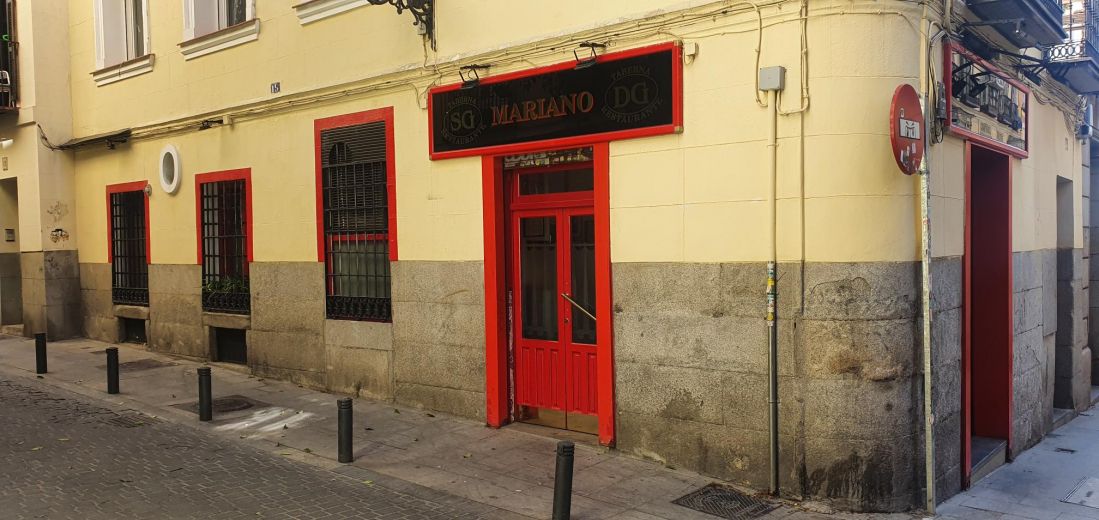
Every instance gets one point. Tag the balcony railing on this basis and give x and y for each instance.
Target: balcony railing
(1074, 62)
(1024, 23)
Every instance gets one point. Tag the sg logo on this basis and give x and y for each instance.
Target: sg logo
(462, 121)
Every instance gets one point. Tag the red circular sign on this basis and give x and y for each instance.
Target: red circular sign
(906, 129)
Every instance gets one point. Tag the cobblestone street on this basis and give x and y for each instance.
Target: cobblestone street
(65, 457)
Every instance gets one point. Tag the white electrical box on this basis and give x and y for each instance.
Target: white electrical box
(772, 78)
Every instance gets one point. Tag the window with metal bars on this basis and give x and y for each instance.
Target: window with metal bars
(129, 263)
(225, 286)
(355, 189)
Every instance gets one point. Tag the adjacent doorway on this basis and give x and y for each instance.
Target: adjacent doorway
(987, 359)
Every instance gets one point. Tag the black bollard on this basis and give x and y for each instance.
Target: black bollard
(112, 370)
(40, 353)
(205, 405)
(345, 420)
(562, 482)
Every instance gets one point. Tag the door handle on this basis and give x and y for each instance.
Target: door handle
(577, 305)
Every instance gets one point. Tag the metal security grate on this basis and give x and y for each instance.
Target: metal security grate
(355, 166)
(225, 286)
(129, 265)
(725, 502)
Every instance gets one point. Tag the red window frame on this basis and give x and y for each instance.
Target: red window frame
(123, 188)
(384, 115)
(244, 174)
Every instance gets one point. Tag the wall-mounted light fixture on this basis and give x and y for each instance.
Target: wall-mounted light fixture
(470, 77)
(592, 56)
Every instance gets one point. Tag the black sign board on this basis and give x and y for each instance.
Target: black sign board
(626, 94)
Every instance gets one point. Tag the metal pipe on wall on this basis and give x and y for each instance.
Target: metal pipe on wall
(926, 89)
(772, 294)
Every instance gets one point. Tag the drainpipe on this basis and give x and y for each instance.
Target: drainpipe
(776, 75)
(925, 265)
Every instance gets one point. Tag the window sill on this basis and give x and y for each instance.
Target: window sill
(314, 10)
(238, 34)
(124, 70)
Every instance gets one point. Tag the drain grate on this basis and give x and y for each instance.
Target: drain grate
(227, 404)
(725, 502)
(141, 364)
(129, 421)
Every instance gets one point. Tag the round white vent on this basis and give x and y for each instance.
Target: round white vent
(170, 171)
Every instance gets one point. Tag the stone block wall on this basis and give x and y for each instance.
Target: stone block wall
(1073, 356)
(286, 338)
(439, 315)
(946, 355)
(175, 310)
(51, 293)
(691, 368)
(11, 290)
(1035, 296)
(100, 322)
(359, 357)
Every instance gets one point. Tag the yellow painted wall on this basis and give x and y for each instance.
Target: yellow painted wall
(698, 196)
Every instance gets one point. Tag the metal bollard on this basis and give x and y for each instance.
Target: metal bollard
(112, 370)
(562, 482)
(205, 405)
(40, 353)
(345, 420)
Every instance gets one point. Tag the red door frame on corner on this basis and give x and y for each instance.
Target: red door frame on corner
(991, 385)
(497, 389)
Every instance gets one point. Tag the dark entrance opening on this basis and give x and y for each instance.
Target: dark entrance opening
(988, 357)
(133, 330)
(230, 345)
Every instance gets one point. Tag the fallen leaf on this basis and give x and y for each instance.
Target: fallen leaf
(430, 414)
(307, 450)
(396, 410)
(467, 455)
(286, 453)
(36, 448)
(369, 429)
(64, 439)
(368, 482)
(285, 427)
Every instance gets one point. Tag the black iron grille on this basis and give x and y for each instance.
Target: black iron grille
(356, 222)
(129, 265)
(225, 285)
(725, 502)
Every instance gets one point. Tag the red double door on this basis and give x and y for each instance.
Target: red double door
(553, 295)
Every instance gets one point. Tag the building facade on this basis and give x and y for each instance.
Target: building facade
(619, 218)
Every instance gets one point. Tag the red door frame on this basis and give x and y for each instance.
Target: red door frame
(123, 188)
(996, 422)
(495, 199)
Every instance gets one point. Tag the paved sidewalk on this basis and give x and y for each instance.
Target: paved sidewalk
(1033, 485)
(421, 454)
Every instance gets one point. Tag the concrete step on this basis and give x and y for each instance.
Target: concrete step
(988, 454)
(1062, 416)
(12, 330)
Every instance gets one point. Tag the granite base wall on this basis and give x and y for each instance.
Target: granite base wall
(100, 322)
(11, 290)
(1073, 357)
(51, 297)
(691, 369)
(947, 311)
(1035, 325)
(286, 338)
(175, 311)
(439, 336)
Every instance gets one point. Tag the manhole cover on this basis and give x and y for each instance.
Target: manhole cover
(724, 502)
(227, 404)
(128, 421)
(141, 364)
(1086, 493)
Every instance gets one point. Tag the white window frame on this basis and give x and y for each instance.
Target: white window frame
(101, 36)
(310, 11)
(217, 36)
(189, 10)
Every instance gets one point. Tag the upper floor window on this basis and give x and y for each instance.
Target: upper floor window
(204, 17)
(122, 31)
